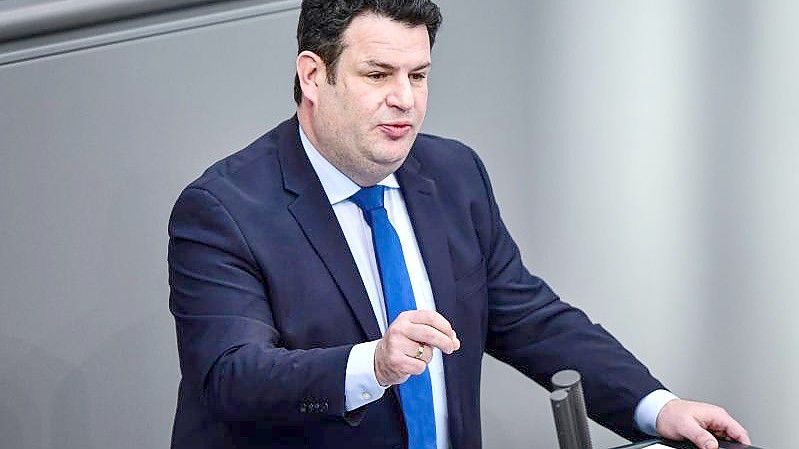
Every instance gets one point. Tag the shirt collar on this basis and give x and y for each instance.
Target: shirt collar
(338, 187)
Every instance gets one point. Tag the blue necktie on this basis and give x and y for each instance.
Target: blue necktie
(416, 393)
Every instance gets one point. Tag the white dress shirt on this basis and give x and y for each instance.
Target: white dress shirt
(361, 386)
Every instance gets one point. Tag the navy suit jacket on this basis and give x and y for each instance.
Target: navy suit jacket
(268, 302)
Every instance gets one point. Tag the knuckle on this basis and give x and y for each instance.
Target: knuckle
(397, 326)
(395, 338)
(396, 359)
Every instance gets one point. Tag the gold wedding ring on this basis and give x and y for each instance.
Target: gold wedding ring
(419, 353)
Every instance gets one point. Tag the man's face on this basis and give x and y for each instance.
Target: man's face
(367, 121)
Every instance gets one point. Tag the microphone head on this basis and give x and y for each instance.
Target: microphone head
(565, 379)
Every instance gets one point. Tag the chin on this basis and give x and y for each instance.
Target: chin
(395, 157)
(397, 149)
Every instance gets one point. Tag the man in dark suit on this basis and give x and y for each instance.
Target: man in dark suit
(336, 283)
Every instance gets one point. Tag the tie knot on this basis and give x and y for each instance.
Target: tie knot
(369, 198)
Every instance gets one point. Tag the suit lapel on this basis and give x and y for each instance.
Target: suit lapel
(421, 198)
(314, 214)
(423, 203)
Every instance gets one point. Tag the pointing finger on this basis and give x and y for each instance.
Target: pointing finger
(429, 335)
(433, 319)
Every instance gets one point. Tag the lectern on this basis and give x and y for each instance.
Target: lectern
(664, 444)
(571, 419)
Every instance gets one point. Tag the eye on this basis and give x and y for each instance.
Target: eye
(376, 76)
(418, 76)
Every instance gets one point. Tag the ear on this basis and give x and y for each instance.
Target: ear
(311, 72)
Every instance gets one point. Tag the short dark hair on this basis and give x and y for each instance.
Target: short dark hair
(323, 22)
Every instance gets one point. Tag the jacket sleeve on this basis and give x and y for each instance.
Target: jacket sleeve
(228, 343)
(537, 333)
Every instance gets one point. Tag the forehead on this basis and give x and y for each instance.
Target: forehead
(373, 37)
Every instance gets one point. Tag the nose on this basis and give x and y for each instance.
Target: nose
(401, 94)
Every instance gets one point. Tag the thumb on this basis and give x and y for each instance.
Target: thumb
(701, 437)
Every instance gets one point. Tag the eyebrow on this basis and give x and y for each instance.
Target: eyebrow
(387, 66)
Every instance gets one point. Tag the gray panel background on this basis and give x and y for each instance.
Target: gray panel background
(644, 155)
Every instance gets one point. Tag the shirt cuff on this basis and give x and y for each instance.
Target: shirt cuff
(360, 383)
(647, 411)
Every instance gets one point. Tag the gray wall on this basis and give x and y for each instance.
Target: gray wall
(643, 154)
